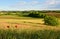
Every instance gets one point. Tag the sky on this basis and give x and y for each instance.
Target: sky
(29, 5)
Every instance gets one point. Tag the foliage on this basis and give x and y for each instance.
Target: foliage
(37, 15)
(26, 13)
(39, 34)
(42, 15)
(33, 15)
(51, 20)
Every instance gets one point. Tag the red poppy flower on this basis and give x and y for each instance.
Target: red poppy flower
(7, 26)
(16, 26)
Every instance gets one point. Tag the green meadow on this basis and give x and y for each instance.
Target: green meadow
(18, 25)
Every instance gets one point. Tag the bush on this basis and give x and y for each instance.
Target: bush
(33, 15)
(36, 15)
(41, 15)
(51, 20)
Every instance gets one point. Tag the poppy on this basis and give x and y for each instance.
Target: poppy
(7, 26)
(16, 26)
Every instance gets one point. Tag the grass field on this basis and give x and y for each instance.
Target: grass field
(14, 27)
(23, 23)
(54, 14)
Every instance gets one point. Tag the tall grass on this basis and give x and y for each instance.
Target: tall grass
(39, 34)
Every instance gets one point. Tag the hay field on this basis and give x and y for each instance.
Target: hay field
(24, 23)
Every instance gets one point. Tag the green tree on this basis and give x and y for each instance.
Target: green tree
(51, 20)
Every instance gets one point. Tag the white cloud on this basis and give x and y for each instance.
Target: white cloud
(40, 5)
(26, 3)
(34, 2)
(20, 3)
(51, 4)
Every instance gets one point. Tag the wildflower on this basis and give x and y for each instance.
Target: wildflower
(7, 26)
(16, 26)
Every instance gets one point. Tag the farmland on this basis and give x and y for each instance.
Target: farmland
(22, 27)
(8, 20)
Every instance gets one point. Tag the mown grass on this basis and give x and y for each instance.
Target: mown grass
(53, 14)
(19, 20)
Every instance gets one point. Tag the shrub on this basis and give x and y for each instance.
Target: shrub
(37, 15)
(33, 15)
(51, 20)
(41, 15)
